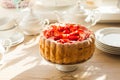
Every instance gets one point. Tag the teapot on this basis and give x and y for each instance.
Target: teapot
(79, 15)
(31, 24)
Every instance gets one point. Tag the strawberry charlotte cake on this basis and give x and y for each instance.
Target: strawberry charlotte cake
(67, 43)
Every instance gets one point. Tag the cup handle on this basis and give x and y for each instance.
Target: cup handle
(5, 45)
(44, 23)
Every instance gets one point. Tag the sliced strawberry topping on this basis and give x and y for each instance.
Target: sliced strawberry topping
(74, 38)
(75, 33)
(63, 40)
(67, 33)
(58, 37)
(61, 29)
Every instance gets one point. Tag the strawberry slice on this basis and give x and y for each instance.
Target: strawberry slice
(69, 25)
(73, 38)
(64, 36)
(61, 29)
(46, 33)
(63, 40)
(75, 33)
(67, 33)
(74, 28)
(53, 27)
(57, 37)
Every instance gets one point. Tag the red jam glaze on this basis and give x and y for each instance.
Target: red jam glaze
(67, 33)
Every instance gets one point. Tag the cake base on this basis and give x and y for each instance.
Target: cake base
(66, 68)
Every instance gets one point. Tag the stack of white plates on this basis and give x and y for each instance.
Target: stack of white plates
(108, 40)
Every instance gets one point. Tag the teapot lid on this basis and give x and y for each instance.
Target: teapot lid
(78, 8)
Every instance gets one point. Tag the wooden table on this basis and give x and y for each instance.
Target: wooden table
(23, 62)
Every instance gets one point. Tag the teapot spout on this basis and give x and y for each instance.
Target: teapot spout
(93, 17)
(59, 16)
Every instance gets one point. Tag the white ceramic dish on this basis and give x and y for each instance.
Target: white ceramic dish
(106, 46)
(17, 39)
(108, 40)
(109, 36)
(115, 52)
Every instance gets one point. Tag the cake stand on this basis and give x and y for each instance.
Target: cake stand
(64, 67)
(67, 68)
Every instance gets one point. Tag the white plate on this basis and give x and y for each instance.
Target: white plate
(106, 46)
(108, 40)
(109, 36)
(15, 39)
(108, 51)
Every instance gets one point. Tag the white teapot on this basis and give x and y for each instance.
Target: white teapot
(31, 24)
(79, 15)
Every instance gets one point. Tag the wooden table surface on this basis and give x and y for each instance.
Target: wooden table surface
(23, 62)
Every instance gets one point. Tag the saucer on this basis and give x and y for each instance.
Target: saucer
(10, 31)
(16, 39)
